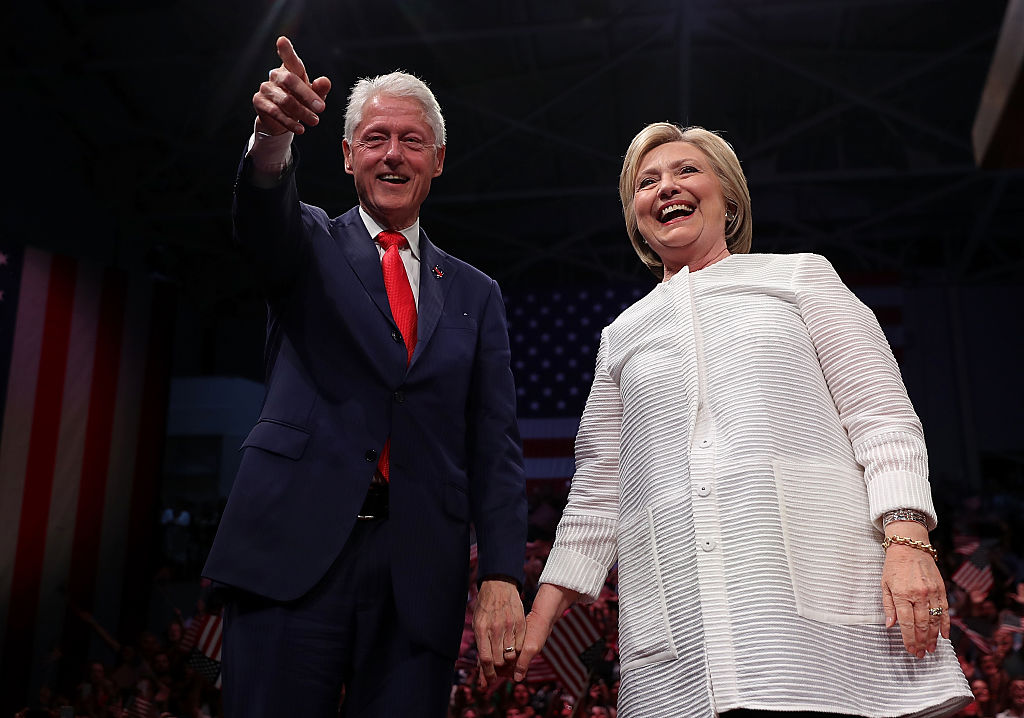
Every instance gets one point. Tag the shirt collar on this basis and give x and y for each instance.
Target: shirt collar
(411, 233)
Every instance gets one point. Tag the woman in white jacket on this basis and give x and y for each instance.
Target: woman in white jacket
(749, 457)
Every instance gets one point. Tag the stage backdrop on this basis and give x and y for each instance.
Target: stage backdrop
(84, 367)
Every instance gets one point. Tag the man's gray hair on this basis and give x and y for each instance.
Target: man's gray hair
(394, 84)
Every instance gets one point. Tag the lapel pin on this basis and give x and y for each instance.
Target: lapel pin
(438, 272)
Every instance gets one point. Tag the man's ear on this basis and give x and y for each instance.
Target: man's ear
(346, 149)
(439, 160)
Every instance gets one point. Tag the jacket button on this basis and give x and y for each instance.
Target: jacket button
(399, 397)
(370, 455)
(703, 490)
(396, 335)
(707, 544)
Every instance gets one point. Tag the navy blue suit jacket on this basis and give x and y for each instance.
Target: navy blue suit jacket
(338, 384)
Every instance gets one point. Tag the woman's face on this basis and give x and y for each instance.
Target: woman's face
(679, 204)
(521, 694)
(980, 691)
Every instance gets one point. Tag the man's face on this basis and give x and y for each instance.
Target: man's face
(161, 663)
(393, 158)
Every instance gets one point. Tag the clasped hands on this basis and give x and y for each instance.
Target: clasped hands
(498, 626)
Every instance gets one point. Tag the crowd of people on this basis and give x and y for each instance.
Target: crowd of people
(988, 628)
(153, 676)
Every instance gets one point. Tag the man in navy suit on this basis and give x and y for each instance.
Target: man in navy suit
(347, 573)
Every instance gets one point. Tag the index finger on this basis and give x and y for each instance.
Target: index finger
(290, 59)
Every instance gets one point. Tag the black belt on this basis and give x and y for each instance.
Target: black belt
(376, 504)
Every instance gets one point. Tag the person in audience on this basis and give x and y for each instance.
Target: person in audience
(982, 706)
(997, 678)
(750, 459)
(1015, 709)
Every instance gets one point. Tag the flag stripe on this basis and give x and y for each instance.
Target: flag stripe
(106, 301)
(150, 438)
(123, 448)
(39, 468)
(18, 411)
(556, 446)
(571, 636)
(971, 578)
(96, 457)
(11, 262)
(67, 470)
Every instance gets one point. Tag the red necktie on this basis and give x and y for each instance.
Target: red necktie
(403, 307)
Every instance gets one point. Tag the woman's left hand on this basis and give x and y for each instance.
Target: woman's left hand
(911, 587)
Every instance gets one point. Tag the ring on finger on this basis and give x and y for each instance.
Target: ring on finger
(510, 649)
(936, 611)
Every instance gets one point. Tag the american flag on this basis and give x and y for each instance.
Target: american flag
(554, 336)
(540, 671)
(84, 366)
(1014, 624)
(206, 643)
(975, 574)
(980, 642)
(965, 545)
(572, 648)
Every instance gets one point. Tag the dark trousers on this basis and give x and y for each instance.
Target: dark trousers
(341, 643)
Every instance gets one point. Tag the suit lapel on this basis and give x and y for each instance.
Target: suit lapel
(436, 276)
(361, 253)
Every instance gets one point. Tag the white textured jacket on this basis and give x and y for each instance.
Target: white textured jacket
(746, 429)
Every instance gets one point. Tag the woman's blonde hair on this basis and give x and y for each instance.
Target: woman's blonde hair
(725, 165)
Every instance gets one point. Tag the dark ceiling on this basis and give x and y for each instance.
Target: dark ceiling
(852, 120)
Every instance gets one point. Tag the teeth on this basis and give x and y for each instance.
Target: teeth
(393, 177)
(685, 208)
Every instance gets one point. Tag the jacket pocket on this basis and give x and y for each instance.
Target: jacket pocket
(281, 439)
(456, 502)
(644, 634)
(834, 551)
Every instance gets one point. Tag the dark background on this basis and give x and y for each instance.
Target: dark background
(852, 119)
(124, 122)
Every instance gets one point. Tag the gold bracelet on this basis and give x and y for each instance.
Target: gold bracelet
(919, 545)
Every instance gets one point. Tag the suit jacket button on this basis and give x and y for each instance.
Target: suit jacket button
(371, 455)
(396, 335)
(400, 397)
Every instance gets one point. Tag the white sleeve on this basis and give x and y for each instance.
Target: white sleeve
(271, 155)
(868, 390)
(585, 548)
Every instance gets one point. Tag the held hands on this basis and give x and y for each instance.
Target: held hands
(498, 624)
(549, 604)
(288, 101)
(911, 585)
